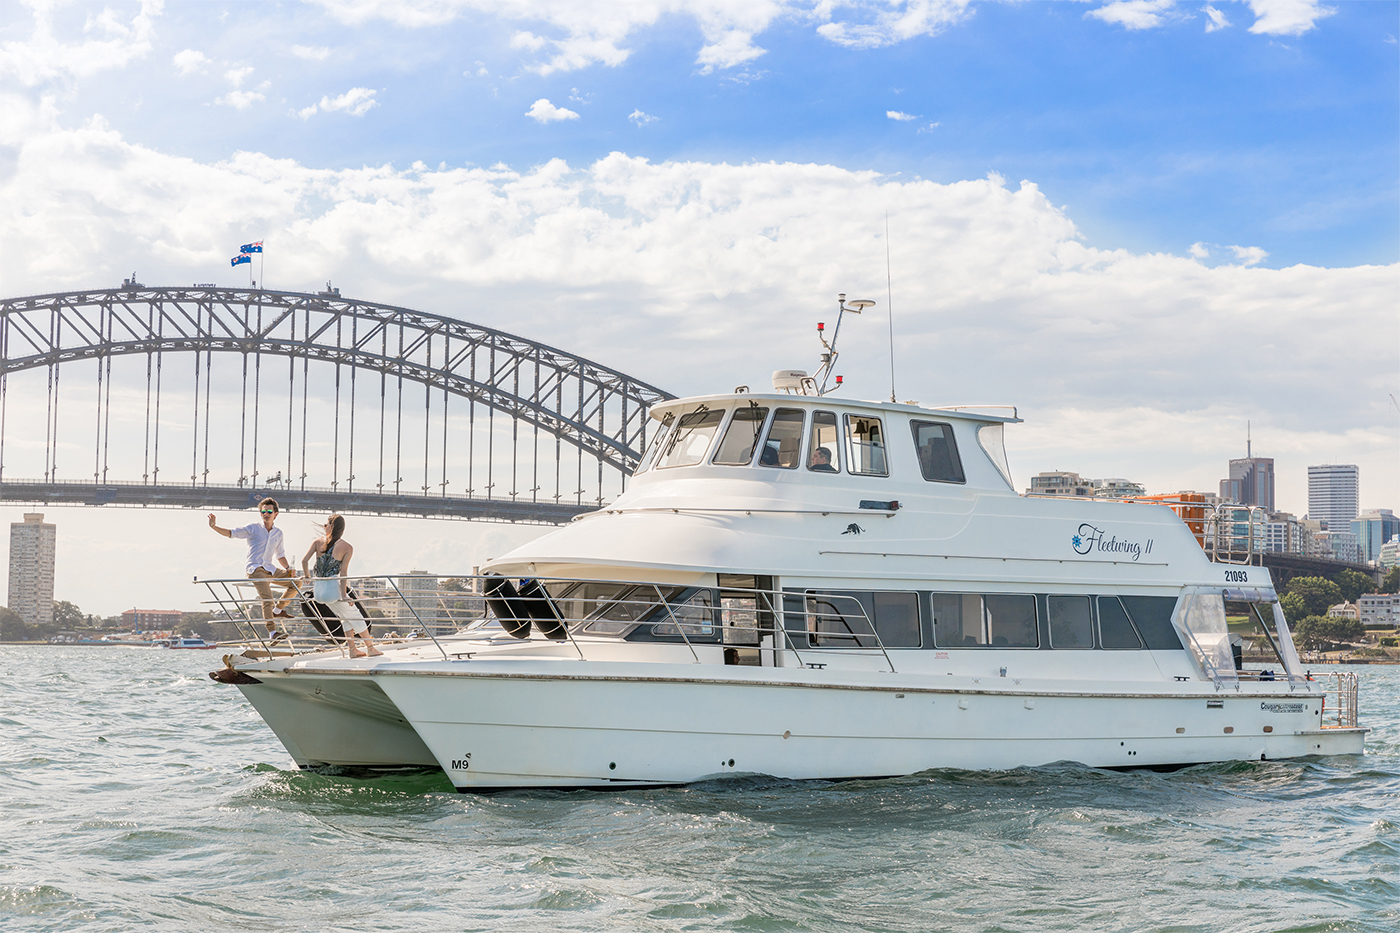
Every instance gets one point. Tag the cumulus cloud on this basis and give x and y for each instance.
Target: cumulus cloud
(1249, 255)
(900, 115)
(895, 22)
(312, 53)
(239, 100)
(1215, 19)
(1287, 17)
(1199, 250)
(641, 119)
(44, 57)
(1134, 14)
(189, 61)
(236, 76)
(542, 111)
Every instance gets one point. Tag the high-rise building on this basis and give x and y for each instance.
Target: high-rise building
(1373, 528)
(1251, 482)
(1333, 494)
(31, 569)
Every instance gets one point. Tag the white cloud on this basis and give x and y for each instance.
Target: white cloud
(1215, 19)
(236, 76)
(1199, 251)
(900, 115)
(527, 40)
(240, 100)
(641, 119)
(312, 53)
(1249, 255)
(1287, 17)
(1134, 14)
(895, 22)
(542, 111)
(189, 61)
(45, 57)
(357, 101)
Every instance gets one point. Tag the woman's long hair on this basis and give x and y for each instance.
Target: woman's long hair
(333, 533)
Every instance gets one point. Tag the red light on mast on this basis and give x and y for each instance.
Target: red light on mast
(838, 379)
(821, 326)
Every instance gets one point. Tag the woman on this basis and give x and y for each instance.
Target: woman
(333, 555)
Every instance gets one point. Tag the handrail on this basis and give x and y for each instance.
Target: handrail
(1343, 691)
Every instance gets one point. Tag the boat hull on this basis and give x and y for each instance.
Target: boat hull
(495, 731)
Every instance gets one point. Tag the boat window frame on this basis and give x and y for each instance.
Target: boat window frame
(703, 412)
(1090, 627)
(849, 438)
(729, 426)
(870, 614)
(1127, 616)
(839, 458)
(985, 622)
(768, 435)
(649, 455)
(952, 441)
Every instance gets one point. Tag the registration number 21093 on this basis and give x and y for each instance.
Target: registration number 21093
(1236, 576)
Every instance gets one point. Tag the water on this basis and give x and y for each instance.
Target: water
(136, 794)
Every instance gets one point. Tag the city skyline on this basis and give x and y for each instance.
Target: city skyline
(1147, 225)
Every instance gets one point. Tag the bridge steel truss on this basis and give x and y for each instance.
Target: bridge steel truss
(600, 413)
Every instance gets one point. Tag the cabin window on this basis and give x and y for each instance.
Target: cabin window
(964, 620)
(783, 445)
(865, 446)
(863, 619)
(824, 452)
(577, 601)
(741, 437)
(1071, 622)
(691, 438)
(662, 429)
(1115, 628)
(618, 614)
(938, 452)
(695, 617)
(992, 440)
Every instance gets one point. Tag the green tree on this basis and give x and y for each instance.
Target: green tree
(12, 627)
(1353, 584)
(1295, 608)
(1316, 631)
(1317, 594)
(68, 616)
(1390, 583)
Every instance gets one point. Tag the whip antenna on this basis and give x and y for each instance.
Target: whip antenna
(889, 300)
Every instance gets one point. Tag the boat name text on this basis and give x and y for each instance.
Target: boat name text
(1090, 538)
(1283, 707)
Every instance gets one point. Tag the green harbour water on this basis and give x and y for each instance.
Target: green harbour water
(137, 794)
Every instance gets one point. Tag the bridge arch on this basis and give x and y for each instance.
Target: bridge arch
(599, 411)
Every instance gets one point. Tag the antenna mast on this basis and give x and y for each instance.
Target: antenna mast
(889, 300)
(829, 357)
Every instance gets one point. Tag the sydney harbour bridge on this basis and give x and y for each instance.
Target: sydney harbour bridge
(208, 397)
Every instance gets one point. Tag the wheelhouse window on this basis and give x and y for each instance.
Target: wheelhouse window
(965, 620)
(1116, 630)
(938, 452)
(695, 617)
(1071, 622)
(691, 438)
(783, 445)
(863, 619)
(657, 440)
(618, 615)
(865, 446)
(741, 437)
(824, 451)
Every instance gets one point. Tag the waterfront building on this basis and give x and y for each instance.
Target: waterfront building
(1378, 608)
(1333, 494)
(32, 546)
(1118, 488)
(1060, 483)
(1343, 611)
(145, 620)
(1373, 528)
(1390, 554)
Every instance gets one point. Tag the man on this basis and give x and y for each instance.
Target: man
(821, 461)
(265, 546)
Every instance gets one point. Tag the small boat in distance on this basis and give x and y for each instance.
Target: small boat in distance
(187, 643)
(810, 587)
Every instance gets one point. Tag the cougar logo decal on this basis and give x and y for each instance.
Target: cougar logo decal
(853, 529)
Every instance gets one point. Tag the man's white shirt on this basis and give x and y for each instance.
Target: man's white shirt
(264, 547)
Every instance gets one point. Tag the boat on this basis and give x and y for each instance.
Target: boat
(806, 586)
(196, 643)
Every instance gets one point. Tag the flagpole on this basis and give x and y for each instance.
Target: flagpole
(261, 260)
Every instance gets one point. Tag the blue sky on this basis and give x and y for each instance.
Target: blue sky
(1144, 222)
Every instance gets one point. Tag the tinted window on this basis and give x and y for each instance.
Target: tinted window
(938, 452)
(695, 617)
(1152, 617)
(1115, 628)
(844, 620)
(783, 445)
(691, 438)
(1071, 623)
(865, 446)
(741, 437)
(656, 441)
(824, 452)
(1011, 621)
(957, 620)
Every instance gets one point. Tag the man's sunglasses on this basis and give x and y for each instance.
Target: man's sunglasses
(268, 511)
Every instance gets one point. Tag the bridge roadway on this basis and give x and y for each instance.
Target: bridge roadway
(320, 501)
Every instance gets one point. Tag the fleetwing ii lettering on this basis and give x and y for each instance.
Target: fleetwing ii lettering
(1092, 538)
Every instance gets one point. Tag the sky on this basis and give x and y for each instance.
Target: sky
(1146, 223)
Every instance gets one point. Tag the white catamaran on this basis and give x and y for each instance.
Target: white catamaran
(807, 587)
